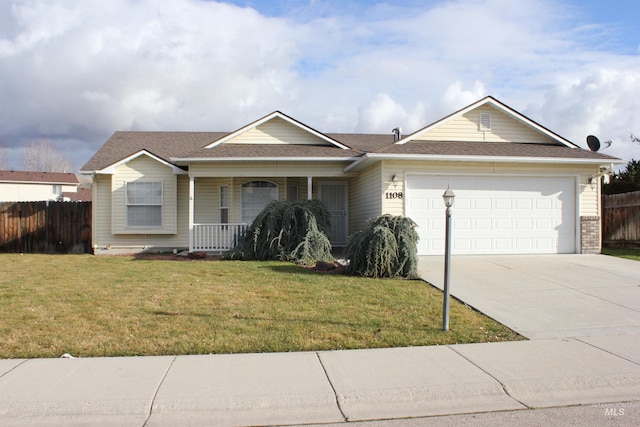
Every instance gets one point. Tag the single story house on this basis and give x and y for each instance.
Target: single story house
(520, 188)
(26, 186)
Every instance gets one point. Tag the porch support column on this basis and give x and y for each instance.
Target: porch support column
(191, 193)
(309, 188)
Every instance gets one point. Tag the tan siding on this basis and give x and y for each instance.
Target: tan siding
(268, 169)
(277, 131)
(106, 243)
(144, 168)
(589, 196)
(393, 186)
(207, 199)
(503, 128)
(365, 193)
(101, 211)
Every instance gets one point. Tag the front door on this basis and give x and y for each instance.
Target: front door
(334, 197)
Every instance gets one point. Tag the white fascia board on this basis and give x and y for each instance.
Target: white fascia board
(283, 117)
(498, 105)
(372, 157)
(261, 159)
(111, 169)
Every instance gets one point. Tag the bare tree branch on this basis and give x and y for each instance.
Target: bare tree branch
(42, 156)
(3, 158)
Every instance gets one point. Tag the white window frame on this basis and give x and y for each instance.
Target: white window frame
(224, 204)
(261, 204)
(153, 201)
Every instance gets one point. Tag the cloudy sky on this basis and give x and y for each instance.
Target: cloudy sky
(75, 71)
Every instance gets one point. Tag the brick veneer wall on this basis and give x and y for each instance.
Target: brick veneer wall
(590, 234)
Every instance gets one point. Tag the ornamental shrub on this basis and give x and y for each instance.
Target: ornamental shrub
(287, 231)
(387, 247)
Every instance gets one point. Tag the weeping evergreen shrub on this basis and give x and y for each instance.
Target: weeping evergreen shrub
(387, 247)
(287, 231)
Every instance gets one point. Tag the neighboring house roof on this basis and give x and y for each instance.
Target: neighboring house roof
(39, 177)
(82, 195)
(181, 148)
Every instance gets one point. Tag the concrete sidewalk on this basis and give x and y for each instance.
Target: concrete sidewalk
(322, 387)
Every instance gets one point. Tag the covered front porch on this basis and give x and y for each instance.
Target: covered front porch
(222, 208)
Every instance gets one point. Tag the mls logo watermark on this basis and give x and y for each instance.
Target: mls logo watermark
(614, 412)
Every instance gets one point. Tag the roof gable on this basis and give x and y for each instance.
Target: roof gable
(110, 170)
(277, 129)
(487, 120)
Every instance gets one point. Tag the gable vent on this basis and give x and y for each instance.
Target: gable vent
(485, 121)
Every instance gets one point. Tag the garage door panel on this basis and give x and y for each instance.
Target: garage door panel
(524, 223)
(503, 204)
(495, 214)
(483, 224)
(524, 204)
(483, 204)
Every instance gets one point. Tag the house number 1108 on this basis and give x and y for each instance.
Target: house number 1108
(394, 195)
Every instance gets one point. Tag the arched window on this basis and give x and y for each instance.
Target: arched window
(255, 196)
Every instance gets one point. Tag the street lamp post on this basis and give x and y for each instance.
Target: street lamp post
(448, 197)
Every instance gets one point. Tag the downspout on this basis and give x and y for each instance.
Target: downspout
(191, 193)
(94, 213)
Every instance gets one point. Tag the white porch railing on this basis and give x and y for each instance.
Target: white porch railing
(216, 237)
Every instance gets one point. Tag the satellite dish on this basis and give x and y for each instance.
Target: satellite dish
(593, 142)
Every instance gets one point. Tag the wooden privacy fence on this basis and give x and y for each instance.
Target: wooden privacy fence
(45, 227)
(621, 220)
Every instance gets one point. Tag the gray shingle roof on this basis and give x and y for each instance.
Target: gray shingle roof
(163, 144)
(171, 146)
(491, 149)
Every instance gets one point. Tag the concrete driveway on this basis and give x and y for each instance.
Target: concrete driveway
(547, 296)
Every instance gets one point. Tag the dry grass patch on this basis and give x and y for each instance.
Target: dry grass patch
(118, 306)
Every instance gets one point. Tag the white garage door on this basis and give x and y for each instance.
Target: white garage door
(494, 215)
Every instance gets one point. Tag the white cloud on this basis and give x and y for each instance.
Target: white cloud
(382, 114)
(604, 102)
(77, 70)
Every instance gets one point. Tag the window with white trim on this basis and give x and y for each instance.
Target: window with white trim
(224, 204)
(144, 204)
(256, 195)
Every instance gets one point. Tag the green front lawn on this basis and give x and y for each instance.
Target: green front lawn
(114, 306)
(623, 253)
